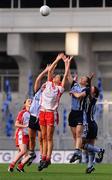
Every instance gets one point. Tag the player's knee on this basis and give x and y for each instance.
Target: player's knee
(44, 137)
(23, 152)
(49, 137)
(79, 135)
(74, 136)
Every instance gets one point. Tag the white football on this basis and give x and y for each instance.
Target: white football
(45, 10)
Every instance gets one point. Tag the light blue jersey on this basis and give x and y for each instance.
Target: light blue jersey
(76, 103)
(26, 118)
(35, 106)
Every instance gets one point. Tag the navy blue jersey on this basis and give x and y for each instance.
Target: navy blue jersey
(78, 104)
(90, 108)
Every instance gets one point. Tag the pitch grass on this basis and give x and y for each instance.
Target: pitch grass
(58, 172)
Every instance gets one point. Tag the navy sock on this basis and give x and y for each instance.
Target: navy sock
(90, 159)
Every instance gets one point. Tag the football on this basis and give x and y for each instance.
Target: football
(45, 10)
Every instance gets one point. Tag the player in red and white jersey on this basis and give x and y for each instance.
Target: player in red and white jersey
(34, 127)
(51, 95)
(21, 134)
(22, 131)
(49, 104)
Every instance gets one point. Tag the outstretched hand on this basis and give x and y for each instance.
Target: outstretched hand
(47, 67)
(76, 77)
(67, 59)
(60, 56)
(70, 58)
(92, 75)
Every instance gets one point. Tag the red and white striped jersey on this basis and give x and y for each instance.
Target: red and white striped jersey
(51, 96)
(23, 118)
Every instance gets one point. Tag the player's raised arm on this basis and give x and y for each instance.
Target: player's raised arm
(69, 76)
(90, 79)
(53, 66)
(39, 78)
(67, 68)
(92, 76)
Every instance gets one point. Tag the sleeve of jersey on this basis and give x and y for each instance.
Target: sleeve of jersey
(19, 116)
(49, 82)
(61, 89)
(26, 117)
(74, 82)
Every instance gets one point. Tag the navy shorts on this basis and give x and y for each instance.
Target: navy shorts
(92, 130)
(34, 123)
(75, 118)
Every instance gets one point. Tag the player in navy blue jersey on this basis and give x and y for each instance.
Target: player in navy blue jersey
(92, 131)
(78, 92)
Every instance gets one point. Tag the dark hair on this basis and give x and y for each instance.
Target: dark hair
(88, 82)
(24, 101)
(96, 91)
(61, 77)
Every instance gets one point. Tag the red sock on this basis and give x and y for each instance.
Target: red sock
(20, 166)
(48, 158)
(12, 165)
(43, 157)
(13, 162)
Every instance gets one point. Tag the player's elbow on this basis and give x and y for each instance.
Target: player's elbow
(35, 89)
(16, 124)
(49, 70)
